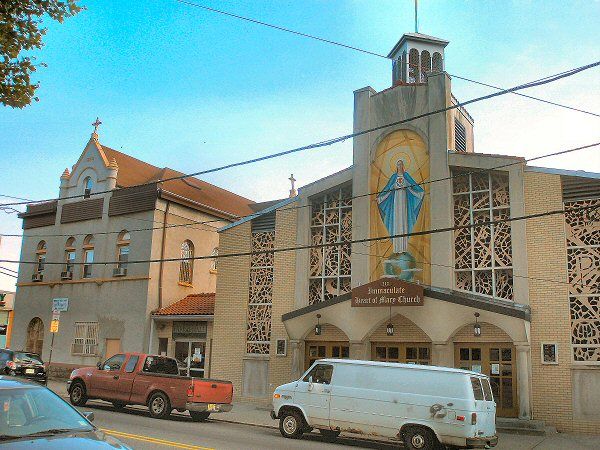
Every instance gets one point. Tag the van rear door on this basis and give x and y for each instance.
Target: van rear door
(485, 407)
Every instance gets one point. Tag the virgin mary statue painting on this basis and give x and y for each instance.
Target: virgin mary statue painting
(399, 205)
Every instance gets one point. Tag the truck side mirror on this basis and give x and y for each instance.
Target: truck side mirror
(99, 365)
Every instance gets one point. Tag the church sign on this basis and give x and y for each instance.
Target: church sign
(388, 292)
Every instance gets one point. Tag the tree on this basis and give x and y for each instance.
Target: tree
(21, 31)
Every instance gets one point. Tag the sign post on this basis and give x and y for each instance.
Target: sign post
(54, 327)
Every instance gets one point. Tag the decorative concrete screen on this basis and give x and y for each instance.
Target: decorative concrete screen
(260, 298)
(583, 257)
(482, 254)
(331, 222)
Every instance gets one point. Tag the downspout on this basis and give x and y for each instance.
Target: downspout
(162, 256)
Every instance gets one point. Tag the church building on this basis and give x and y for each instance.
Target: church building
(517, 300)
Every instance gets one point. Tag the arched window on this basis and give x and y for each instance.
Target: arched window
(438, 65)
(413, 65)
(425, 65)
(69, 259)
(88, 184)
(123, 242)
(35, 336)
(88, 256)
(40, 257)
(186, 266)
(213, 264)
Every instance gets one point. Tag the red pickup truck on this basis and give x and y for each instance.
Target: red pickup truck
(152, 380)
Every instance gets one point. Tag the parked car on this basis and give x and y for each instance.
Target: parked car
(33, 417)
(23, 364)
(424, 406)
(152, 380)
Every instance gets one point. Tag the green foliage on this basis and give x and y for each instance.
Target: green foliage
(20, 31)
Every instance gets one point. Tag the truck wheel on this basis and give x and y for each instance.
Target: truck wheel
(291, 424)
(77, 395)
(420, 438)
(159, 405)
(119, 405)
(329, 435)
(199, 416)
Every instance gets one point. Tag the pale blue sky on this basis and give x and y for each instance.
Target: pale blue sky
(180, 87)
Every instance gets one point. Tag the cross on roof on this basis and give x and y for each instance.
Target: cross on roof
(293, 191)
(96, 124)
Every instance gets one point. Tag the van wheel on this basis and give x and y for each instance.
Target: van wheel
(77, 395)
(420, 438)
(291, 424)
(159, 406)
(329, 435)
(199, 416)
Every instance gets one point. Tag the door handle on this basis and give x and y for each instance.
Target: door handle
(116, 377)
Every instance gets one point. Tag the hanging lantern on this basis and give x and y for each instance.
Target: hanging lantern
(390, 329)
(318, 326)
(477, 326)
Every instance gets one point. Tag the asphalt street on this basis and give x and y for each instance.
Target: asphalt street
(135, 427)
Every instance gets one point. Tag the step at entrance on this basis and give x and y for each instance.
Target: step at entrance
(519, 426)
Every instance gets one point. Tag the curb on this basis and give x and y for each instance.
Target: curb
(216, 419)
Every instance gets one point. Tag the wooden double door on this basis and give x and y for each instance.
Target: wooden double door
(329, 349)
(498, 361)
(401, 352)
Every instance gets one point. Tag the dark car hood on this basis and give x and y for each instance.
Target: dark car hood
(68, 441)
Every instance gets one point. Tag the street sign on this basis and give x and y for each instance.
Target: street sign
(56, 315)
(54, 326)
(60, 304)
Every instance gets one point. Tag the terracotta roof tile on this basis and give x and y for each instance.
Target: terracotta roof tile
(133, 171)
(193, 304)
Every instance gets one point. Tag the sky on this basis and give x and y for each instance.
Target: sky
(181, 87)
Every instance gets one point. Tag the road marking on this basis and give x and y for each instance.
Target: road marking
(154, 440)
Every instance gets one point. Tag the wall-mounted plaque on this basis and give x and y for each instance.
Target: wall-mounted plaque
(388, 292)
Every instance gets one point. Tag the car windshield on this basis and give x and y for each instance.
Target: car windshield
(26, 411)
(28, 357)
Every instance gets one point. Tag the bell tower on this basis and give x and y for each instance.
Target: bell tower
(414, 56)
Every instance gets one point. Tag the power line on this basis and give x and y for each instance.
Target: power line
(422, 183)
(7, 269)
(328, 142)
(361, 50)
(331, 244)
(8, 274)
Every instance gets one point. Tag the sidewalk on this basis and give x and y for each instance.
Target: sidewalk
(258, 415)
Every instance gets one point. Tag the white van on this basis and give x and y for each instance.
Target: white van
(422, 406)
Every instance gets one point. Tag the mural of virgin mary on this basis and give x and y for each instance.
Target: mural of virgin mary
(399, 205)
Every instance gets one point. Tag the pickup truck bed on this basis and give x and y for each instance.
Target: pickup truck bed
(152, 380)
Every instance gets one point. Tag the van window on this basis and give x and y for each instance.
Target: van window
(477, 389)
(321, 373)
(487, 390)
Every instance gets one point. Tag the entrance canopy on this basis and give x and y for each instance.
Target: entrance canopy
(443, 312)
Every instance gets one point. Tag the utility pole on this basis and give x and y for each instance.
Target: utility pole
(416, 16)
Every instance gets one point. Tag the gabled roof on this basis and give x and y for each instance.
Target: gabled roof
(133, 171)
(193, 305)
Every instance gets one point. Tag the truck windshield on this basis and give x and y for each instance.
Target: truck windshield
(161, 364)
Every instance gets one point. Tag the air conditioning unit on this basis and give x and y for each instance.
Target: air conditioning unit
(87, 193)
(37, 277)
(119, 272)
(66, 275)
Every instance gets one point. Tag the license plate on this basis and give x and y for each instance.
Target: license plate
(212, 407)
(29, 371)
